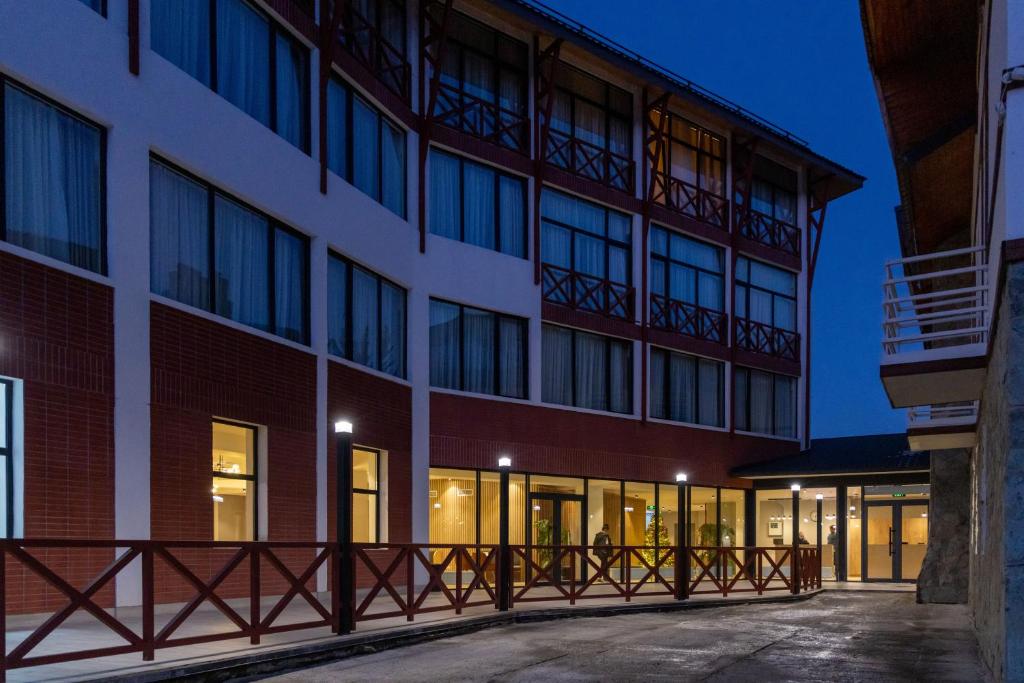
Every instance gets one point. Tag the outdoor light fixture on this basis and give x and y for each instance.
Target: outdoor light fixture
(795, 487)
(628, 509)
(437, 506)
(680, 477)
(504, 461)
(819, 496)
(342, 427)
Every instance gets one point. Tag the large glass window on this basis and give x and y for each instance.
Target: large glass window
(6, 458)
(687, 270)
(686, 388)
(365, 147)
(240, 52)
(474, 203)
(365, 495)
(476, 350)
(694, 155)
(774, 190)
(234, 482)
(209, 251)
(53, 193)
(765, 294)
(587, 370)
(366, 317)
(765, 403)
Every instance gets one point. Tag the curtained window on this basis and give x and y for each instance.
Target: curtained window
(476, 350)
(695, 156)
(773, 190)
(53, 181)
(365, 147)
(249, 269)
(256, 65)
(687, 270)
(474, 203)
(586, 370)
(366, 322)
(686, 388)
(765, 294)
(766, 403)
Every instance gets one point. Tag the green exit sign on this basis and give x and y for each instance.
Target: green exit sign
(651, 507)
(899, 495)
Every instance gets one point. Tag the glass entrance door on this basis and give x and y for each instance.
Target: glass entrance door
(556, 520)
(895, 540)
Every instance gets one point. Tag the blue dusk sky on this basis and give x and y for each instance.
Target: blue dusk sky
(801, 64)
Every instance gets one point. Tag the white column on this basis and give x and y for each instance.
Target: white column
(318, 337)
(419, 375)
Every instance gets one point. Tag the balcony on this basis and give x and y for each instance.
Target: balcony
(761, 338)
(485, 120)
(587, 293)
(688, 319)
(936, 427)
(771, 232)
(689, 200)
(587, 160)
(936, 326)
(365, 42)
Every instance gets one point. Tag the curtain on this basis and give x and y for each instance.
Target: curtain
(52, 181)
(785, 406)
(709, 401)
(682, 388)
(711, 292)
(243, 58)
(364, 318)
(697, 254)
(179, 251)
(512, 358)
(741, 401)
(512, 216)
(684, 163)
(478, 345)
(591, 366)
(760, 306)
(445, 205)
(444, 345)
(556, 349)
(760, 402)
(785, 206)
(683, 283)
(290, 255)
(392, 144)
(774, 279)
(291, 91)
(589, 256)
(572, 211)
(392, 329)
(619, 227)
(785, 313)
(657, 404)
(392, 23)
(618, 265)
(657, 276)
(659, 241)
(590, 123)
(240, 243)
(337, 128)
(761, 196)
(365, 138)
(478, 205)
(179, 31)
(337, 306)
(620, 373)
(478, 76)
(556, 246)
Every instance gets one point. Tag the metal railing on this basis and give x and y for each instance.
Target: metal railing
(764, 229)
(689, 200)
(963, 414)
(482, 119)
(936, 306)
(587, 292)
(364, 41)
(762, 338)
(689, 319)
(588, 160)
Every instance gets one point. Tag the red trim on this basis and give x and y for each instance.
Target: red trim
(292, 14)
(590, 188)
(562, 315)
(679, 342)
(481, 149)
(671, 219)
(760, 361)
(763, 253)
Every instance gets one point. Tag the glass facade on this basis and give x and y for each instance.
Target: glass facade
(233, 487)
(586, 370)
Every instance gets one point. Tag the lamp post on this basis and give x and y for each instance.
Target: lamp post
(794, 561)
(504, 552)
(682, 533)
(818, 504)
(345, 576)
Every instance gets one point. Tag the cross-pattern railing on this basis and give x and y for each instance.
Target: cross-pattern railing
(587, 292)
(585, 159)
(689, 319)
(762, 338)
(369, 46)
(690, 200)
(480, 118)
(766, 230)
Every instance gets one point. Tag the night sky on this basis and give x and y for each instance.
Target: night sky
(802, 65)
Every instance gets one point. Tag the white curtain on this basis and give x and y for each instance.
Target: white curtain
(179, 233)
(620, 391)
(53, 183)
(180, 31)
(556, 348)
(591, 369)
(445, 203)
(392, 144)
(785, 406)
(684, 283)
(290, 253)
(711, 292)
(709, 401)
(243, 58)
(392, 329)
(478, 205)
(291, 84)
(478, 346)
(760, 402)
(365, 138)
(682, 388)
(444, 345)
(512, 215)
(742, 399)
(337, 128)
(760, 306)
(337, 306)
(240, 240)
(657, 402)
(512, 359)
(364, 318)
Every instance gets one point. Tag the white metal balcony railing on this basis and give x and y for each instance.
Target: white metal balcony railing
(936, 306)
(947, 415)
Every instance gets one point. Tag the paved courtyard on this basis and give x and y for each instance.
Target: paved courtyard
(836, 636)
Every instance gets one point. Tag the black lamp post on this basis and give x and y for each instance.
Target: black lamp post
(818, 499)
(344, 578)
(794, 562)
(504, 552)
(682, 538)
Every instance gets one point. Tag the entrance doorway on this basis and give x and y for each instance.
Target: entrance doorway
(894, 541)
(556, 520)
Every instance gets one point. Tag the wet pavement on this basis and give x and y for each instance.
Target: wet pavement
(835, 636)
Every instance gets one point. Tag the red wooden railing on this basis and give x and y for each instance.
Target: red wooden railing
(589, 161)
(689, 319)
(774, 341)
(370, 47)
(771, 232)
(690, 200)
(586, 292)
(485, 120)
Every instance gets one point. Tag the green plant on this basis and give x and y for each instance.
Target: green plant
(545, 536)
(707, 535)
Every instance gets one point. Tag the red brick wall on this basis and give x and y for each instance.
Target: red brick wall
(57, 334)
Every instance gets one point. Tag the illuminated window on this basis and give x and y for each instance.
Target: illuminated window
(365, 496)
(7, 509)
(234, 482)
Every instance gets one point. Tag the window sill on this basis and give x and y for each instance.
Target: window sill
(791, 439)
(340, 360)
(591, 411)
(688, 425)
(56, 264)
(486, 397)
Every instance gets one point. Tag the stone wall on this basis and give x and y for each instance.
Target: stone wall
(945, 575)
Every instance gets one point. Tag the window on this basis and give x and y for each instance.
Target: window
(765, 294)
(53, 180)
(365, 147)
(774, 190)
(239, 52)
(374, 32)
(686, 388)
(98, 6)
(587, 370)
(694, 155)
(476, 350)
(234, 482)
(583, 245)
(211, 252)
(474, 203)
(7, 458)
(365, 496)
(765, 403)
(366, 317)
(685, 271)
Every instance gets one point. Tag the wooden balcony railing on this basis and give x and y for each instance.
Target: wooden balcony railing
(589, 161)
(587, 293)
(689, 319)
(697, 203)
(774, 341)
(485, 120)
(764, 229)
(370, 47)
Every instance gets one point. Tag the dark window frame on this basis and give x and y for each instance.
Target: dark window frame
(498, 317)
(746, 407)
(605, 107)
(254, 477)
(696, 387)
(498, 175)
(273, 225)
(372, 492)
(608, 341)
(399, 5)
(102, 246)
(702, 131)
(347, 354)
(746, 285)
(608, 241)
(761, 173)
(7, 454)
(669, 261)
